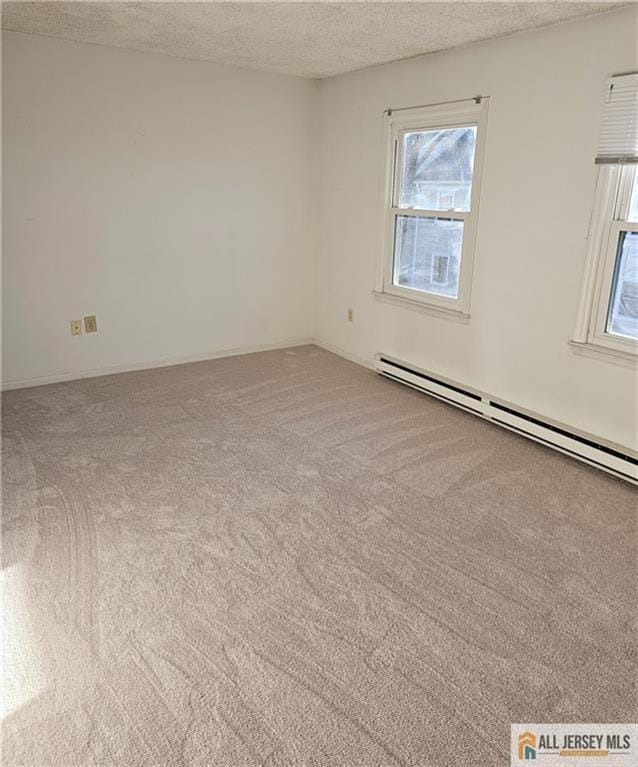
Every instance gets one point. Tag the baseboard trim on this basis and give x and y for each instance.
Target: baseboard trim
(76, 375)
(343, 353)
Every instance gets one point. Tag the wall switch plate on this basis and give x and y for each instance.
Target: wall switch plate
(90, 324)
(76, 327)
(350, 315)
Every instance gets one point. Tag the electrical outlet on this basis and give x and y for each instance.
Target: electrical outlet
(350, 315)
(90, 324)
(76, 327)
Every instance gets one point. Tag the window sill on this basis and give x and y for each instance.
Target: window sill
(626, 359)
(420, 306)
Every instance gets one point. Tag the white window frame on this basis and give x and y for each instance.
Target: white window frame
(472, 112)
(611, 208)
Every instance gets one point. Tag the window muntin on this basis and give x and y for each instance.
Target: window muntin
(433, 182)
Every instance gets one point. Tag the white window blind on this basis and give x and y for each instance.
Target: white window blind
(619, 134)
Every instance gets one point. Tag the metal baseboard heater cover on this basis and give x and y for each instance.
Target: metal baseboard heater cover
(603, 455)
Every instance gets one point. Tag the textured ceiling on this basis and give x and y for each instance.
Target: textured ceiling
(313, 39)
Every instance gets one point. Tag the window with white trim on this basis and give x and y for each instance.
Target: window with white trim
(434, 165)
(608, 312)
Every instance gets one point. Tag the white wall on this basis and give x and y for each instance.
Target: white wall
(176, 201)
(171, 198)
(546, 101)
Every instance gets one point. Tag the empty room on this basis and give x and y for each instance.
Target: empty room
(319, 384)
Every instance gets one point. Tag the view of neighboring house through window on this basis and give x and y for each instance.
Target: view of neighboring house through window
(432, 195)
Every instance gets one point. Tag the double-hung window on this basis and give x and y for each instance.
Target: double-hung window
(608, 312)
(431, 204)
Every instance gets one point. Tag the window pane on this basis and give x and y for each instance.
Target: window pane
(427, 254)
(623, 306)
(633, 206)
(437, 169)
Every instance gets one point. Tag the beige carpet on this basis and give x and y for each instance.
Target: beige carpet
(283, 559)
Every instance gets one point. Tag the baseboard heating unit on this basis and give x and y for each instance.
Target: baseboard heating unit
(613, 459)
